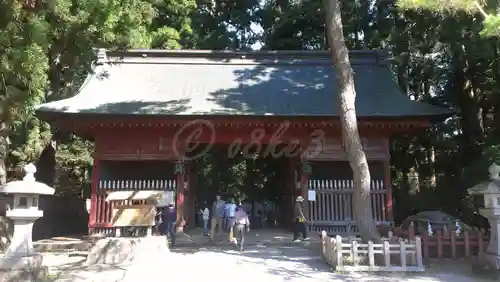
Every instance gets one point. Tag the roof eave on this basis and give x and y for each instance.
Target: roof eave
(53, 115)
(379, 56)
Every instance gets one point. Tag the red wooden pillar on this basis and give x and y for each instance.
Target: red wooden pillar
(180, 172)
(93, 193)
(190, 196)
(389, 216)
(305, 172)
(293, 192)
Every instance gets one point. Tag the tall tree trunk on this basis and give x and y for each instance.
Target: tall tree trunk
(495, 123)
(431, 161)
(350, 134)
(468, 104)
(4, 150)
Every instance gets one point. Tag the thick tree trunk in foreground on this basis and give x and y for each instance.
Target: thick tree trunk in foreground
(4, 149)
(350, 134)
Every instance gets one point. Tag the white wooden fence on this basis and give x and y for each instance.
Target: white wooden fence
(348, 255)
(333, 204)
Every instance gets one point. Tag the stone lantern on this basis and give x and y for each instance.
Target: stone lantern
(491, 192)
(20, 255)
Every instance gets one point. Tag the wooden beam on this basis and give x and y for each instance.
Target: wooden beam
(92, 125)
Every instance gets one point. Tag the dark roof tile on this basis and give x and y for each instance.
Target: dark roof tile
(282, 83)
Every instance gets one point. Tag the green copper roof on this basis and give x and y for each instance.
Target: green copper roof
(281, 83)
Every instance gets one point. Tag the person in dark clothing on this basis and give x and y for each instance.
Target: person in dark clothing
(169, 218)
(300, 220)
(159, 221)
(217, 217)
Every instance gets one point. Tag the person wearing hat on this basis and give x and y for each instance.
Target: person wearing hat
(300, 220)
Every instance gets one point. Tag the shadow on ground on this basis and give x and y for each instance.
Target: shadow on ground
(75, 269)
(294, 263)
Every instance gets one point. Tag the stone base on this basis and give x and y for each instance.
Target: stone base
(20, 269)
(118, 251)
(149, 257)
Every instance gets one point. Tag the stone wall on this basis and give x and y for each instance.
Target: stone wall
(63, 216)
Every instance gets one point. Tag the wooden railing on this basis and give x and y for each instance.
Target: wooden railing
(443, 244)
(333, 205)
(128, 185)
(103, 209)
(350, 255)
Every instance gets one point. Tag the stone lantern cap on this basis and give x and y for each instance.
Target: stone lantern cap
(28, 185)
(485, 188)
(490, 187)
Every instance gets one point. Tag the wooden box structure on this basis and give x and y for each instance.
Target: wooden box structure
(133, 209)
(145, 108)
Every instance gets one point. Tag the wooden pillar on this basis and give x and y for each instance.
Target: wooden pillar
(304, 172)
(190, 198)
(93, 193)
(288, 217)
(304, 185)
(180, 172)
(389, 216)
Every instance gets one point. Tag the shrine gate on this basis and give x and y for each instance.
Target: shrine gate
(146, 109)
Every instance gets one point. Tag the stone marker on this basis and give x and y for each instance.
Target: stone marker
(21, 262)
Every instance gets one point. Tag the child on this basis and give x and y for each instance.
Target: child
(206, 217)
(241, 226)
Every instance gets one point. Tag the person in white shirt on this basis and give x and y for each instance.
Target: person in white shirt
(241, 226)
(206, 218)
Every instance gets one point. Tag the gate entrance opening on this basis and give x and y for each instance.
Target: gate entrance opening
(263, 185)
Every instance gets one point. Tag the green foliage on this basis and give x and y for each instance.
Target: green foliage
(470, 6)
(73, 166)
(47, 50)
(491, 24)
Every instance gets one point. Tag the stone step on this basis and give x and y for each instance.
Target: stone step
(63, 247)
(63, 244)
(84, 246)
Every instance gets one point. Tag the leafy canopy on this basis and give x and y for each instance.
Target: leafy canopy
(491, 23)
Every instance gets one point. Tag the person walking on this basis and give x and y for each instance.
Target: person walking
(199, 215)
(217, 217)
(224, 218)
(230, 212)
(300, 220)
(206, 218)
(241, 226)
(169, 219)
